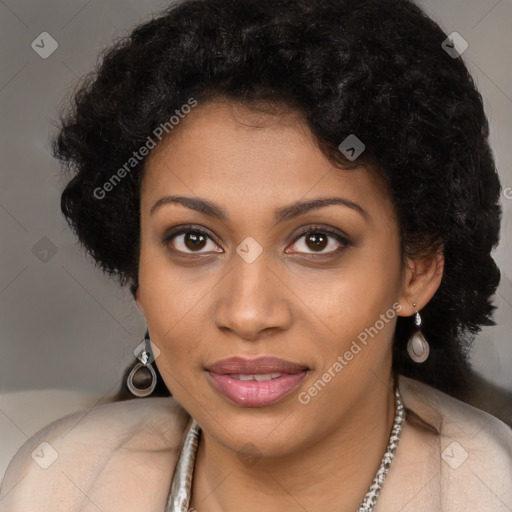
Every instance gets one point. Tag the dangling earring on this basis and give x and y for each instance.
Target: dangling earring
(417, 346)
(141, 381)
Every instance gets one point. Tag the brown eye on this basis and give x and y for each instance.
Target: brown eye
(194, 241)
(190, 241)
(319, 241)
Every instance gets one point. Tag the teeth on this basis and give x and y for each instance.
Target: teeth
(259, 376)
(266, 376)
(243, 377)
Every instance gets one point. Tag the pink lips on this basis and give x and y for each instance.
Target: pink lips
(253, 393)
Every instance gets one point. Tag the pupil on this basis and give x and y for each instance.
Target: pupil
(318, 240)
(193, 240)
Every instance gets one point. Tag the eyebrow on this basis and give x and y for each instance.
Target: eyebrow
(281, 214)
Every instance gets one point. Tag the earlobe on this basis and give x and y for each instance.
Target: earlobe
(138, 300)
(422, 278)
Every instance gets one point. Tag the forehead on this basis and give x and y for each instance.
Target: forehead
(224, 131)
(247, 159)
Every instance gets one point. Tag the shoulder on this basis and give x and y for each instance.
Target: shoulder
(110, 457)
(450, 416)
(475, 448)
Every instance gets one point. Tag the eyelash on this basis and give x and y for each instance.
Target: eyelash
(343, 240)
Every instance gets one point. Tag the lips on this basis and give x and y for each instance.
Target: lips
(261, 365)
(256, 382)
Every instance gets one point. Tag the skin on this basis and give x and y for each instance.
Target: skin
(286, 303)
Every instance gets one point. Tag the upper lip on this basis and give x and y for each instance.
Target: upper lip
(260, 365)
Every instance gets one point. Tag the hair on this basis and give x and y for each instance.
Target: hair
(373, 68)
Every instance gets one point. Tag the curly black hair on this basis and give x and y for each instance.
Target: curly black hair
(373, 68)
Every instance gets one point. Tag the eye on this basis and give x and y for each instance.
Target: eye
(320, 241)
(190, 240)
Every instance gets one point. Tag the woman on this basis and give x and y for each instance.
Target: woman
(302, 197)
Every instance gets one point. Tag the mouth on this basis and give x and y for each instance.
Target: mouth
(260, 377)
(256, 382)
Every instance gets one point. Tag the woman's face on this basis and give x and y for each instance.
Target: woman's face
(253, 272)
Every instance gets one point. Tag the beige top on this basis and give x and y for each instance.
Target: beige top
(120, 457)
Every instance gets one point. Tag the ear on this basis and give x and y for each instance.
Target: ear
(422, 277)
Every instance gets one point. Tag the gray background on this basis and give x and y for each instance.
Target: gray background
(63, 324)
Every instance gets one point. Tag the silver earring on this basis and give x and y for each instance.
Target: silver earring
(417, 346)
(141, 381)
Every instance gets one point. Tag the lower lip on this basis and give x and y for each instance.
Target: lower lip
(251, 393)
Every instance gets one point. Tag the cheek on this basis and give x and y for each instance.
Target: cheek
(354, 310)
(166, 294)
(175, 304)
(162, 301)
(354, 295)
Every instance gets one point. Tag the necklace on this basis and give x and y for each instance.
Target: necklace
(179, 496)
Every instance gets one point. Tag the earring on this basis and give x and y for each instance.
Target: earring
(417, 346)
(141, 381)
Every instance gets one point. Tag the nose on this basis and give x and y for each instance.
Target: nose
(252, 300)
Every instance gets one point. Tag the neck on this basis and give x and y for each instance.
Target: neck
(332, 474)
